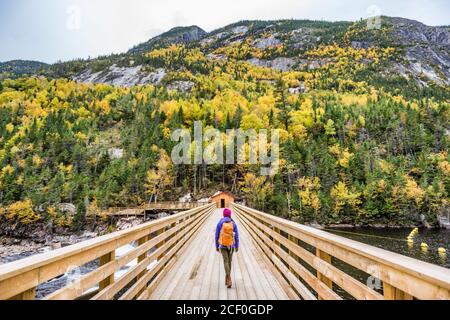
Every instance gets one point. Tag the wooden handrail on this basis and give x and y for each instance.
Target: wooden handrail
(154, 254)
(306, 258)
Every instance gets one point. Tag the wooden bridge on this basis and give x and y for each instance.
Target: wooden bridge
(174, 258)
(154, 206)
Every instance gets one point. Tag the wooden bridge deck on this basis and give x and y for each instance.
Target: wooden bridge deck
(199, 274)
(174, 258)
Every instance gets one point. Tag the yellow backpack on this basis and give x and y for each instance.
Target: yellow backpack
(226, 237)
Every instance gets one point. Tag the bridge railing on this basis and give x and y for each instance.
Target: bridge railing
(157, 245)
(315, 264)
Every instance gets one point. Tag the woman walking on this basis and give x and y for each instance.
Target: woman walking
(227, 242)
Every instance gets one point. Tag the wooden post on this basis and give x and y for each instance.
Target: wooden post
(325, 257)
(111, 256)
(293, 240)
(140, 242)
(30, 294)
(160, 244)
(392, 293)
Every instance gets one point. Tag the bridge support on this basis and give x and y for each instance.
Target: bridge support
(392, 293)
(105, 259)
(327, 258)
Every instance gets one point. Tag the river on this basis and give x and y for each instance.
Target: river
(395, 240)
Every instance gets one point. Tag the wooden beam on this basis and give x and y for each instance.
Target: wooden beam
(392, 293)
(327, 258)
(29, 294)
(105, 259)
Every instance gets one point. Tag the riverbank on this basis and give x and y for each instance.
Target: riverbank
(18, 242)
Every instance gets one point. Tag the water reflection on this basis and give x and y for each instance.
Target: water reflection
(423, 246)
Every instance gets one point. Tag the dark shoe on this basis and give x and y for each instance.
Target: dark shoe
(229, 282)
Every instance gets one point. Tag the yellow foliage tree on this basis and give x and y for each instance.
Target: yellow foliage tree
(158, 179)
(344, 197)
(309, 193)
(256, 189)
(22, 211)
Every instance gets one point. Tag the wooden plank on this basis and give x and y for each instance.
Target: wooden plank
(105, 259)
(392, 293)
(294, 282)
(87, 281)
(19, 267)
(348, 283)
(211, 278)
(262, 273)
(26, 295)
(213, 293)
(78, 287)
(252, 269)
(206, 278)
(199, 270)
(416, 278)
(19, 276)
(300, 270)
(136, 270)
(284, 289)
(190, 267)
(177, 283)
(327, 258)
(180, 240)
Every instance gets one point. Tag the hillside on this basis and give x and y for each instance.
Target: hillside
(419, 59)
(363, 118)
(21, 68)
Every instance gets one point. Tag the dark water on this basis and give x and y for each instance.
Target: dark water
(395, 240)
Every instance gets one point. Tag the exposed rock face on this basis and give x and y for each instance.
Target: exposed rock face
(266, 42)
(173, 36)
(303, 38)
(300, 89)
(281, 63)
(183, 86)
(67, 207)
(240, 30)
(213, 38)
(115, 153)
(121, 76)
(186, 198)
(126, 223)
(427, 49)
(411, 32)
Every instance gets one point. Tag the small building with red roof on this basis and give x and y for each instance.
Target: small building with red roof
(223, 199)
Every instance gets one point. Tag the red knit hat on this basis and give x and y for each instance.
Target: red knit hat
(227, 213)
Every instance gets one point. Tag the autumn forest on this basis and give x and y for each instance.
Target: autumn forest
(355, 148)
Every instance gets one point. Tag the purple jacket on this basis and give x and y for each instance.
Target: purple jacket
(236, 233)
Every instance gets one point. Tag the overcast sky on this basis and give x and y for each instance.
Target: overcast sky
(51, 30)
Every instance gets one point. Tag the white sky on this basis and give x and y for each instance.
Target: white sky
(51, 30)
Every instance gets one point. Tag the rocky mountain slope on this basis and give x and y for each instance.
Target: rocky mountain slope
(421, 56)
(175, 35)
